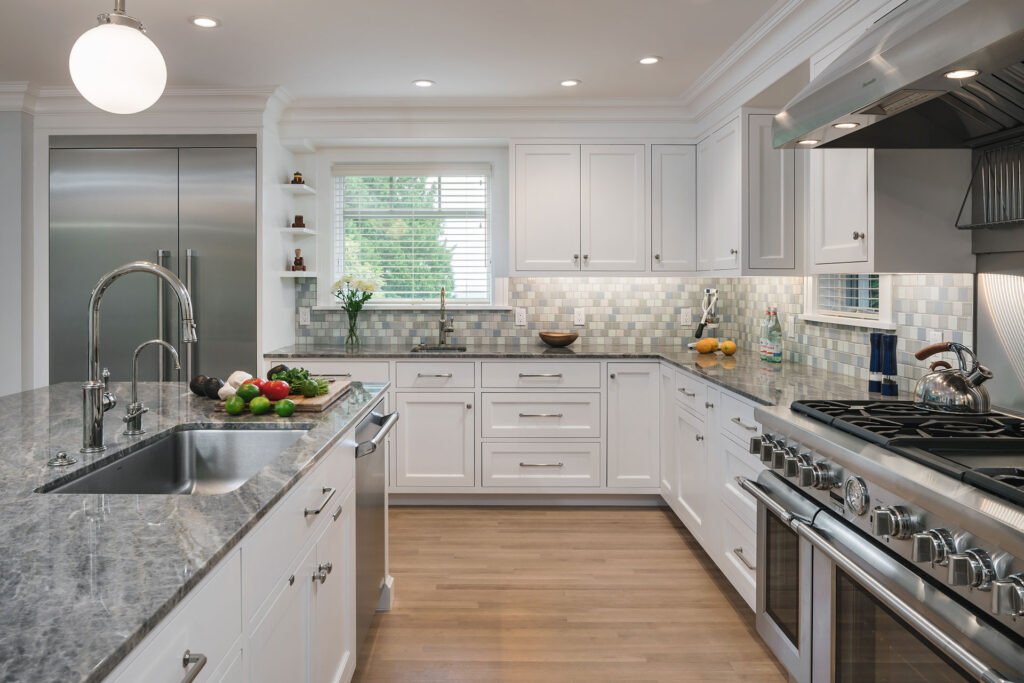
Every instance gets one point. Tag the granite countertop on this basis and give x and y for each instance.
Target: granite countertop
(84, 577)
(743, 373)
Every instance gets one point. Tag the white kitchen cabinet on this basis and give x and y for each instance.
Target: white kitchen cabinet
(332, 632)
(692, 494)
(719, 197)
(770, 220)
(667, 380)
(633, 411)
(436, 439)
(547, 207)
(613, 219)
(674, 208)
(841, 213)
(278, 646)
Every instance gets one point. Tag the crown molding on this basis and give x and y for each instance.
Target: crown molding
(16, 96)
(57, 100)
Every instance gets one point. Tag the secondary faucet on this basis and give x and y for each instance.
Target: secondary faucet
(445, 324)
(96, 399)
(133, 418)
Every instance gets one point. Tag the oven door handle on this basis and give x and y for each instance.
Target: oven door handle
(924, 626)
(761, 495)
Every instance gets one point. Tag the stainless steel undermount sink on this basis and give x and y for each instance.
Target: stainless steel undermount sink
(188, 462)
(431, 348)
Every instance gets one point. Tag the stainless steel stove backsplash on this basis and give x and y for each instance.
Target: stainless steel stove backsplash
(644, 311)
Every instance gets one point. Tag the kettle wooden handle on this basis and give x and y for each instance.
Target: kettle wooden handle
(932, 350)
(939, 364)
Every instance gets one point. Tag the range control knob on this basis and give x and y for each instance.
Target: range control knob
(757, 441)
(791, 467)
(768, 445)
(895, 521)
(780, 454)
(934, 545)
(1008, 596)
(816, 474)
(971, 568)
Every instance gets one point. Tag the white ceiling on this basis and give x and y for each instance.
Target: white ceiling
(375, 48)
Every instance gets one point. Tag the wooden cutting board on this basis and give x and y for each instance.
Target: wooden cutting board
(335, 390)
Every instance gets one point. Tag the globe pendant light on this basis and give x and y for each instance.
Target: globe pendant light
(115, 66)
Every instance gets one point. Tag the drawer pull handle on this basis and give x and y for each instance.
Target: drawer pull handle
(542, 464)
(189, 659)
(322, 571)
(439, 374)
(709, 404)
(540, 415)
(336, 513)
(329, 491)
(738, 552)
(341, 374)
(684, 392)
(540, 374)
(741, 423)
(698, 437)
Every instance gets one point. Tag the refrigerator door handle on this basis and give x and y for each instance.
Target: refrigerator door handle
(191, 357)
(160, 254)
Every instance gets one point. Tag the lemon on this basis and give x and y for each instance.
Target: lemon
(728, 347)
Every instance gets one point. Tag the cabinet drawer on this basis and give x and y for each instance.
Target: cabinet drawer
(738, 419)
(736, 463)
(357, 371)
(691, 393)
(739, 557)
(544, 374)
(542, 464)
(541, 415)
(208, 623)
(287, 527)
(413, 375)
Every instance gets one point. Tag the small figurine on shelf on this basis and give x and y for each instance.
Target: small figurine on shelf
(299, 263)
(297, 178)
(298, 222)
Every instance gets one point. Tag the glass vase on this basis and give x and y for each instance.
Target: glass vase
(352, 339)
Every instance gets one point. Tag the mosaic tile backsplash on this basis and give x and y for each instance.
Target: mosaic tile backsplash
(645, 311)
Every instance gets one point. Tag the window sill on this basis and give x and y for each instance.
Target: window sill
(419, 307)
(849, 322)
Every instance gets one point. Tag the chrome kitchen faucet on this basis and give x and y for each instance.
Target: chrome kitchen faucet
(445, 324)
(133, 418)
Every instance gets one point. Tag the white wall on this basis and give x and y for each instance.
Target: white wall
(277, 305)
(11, 214)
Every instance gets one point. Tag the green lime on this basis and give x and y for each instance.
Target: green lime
(259, 405)
(285, 407)
(234, 405)
(248, 392)
(310, 388)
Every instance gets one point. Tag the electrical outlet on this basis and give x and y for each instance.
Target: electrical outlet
(520, 317)
(686, 316)
(304, 313)
(579, 317)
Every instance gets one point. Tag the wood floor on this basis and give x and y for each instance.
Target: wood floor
(558, 594)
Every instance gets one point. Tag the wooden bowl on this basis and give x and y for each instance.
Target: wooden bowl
(558, 338)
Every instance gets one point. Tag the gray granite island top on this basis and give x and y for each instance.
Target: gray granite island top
(743, 373)
(85, 577)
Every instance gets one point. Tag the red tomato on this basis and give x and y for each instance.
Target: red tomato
(258, 381)
(276, 390)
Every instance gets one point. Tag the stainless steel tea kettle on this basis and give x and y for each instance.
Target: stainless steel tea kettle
(949, 390)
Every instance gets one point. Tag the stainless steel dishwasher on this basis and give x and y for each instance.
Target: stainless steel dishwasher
(371, 514)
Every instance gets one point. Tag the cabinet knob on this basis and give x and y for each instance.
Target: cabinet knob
(733, 252)
(469, 406)
(698, 437)
(657, 257)
(858, 235)
(612, 375)
(586, 256)
(575, 257)
(709, 404)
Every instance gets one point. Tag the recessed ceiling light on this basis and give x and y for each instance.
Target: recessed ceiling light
(808, 142)
(650, 60)
(961, 73)
(423, 83)
(571, 82)
(204, 22)
(845, 124)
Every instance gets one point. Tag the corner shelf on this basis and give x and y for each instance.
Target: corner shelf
(305, 232)
(299, 189)
(298, 273)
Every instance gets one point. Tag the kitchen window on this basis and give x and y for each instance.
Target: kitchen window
(857, 299)
(413, 229)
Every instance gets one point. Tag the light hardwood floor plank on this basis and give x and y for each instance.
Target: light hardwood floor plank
(558, 594)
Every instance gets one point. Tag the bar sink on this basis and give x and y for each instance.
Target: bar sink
(187, 462)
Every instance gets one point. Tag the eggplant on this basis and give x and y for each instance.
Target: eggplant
(212, 387)
(276, 369)
(197, 385)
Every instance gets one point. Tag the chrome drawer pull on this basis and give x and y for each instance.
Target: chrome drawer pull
(540, 415)
(330, 491)
(439, 374)
(542, 464)
(341, 374)
(322, 571)
(540, 374)
(187, 660)
(741, 423)
(336, 513)
(738, 552)
(684, 392)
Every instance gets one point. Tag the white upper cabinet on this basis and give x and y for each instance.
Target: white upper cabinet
(613, 231)
(674, 208)
(771, 199)
(841, 212)
(547, 205)
(719, 196)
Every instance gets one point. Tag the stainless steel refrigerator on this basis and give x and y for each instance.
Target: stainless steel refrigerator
(187, 203)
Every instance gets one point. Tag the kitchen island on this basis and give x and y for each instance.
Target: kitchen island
(85, 577)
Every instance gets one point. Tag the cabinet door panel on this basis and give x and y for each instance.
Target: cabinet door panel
(692, 484)
(728, 195)
(436, 439)
(633, 408)
(707, 208)
(674, 207)
(332, 615)
(547, 205)
(841, 191)
(667, 445)
(771, 212)
(279, 644)
(613, 222)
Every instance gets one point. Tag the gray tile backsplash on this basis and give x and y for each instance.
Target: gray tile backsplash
(645, 311)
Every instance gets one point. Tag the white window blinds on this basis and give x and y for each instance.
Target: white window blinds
(850, 295)
(414, 229)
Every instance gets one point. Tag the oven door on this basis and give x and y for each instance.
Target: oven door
(875, 619)
(784, 573)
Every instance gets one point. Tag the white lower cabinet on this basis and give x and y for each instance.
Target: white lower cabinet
(691, 464)
(633, 411)
(332, 618)
(669, 469)
(279, 643)
(436, 439)
(541, 464)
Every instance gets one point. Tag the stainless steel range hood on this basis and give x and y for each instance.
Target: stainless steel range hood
(891, 82)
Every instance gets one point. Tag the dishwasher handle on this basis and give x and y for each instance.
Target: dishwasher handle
(367, 447)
